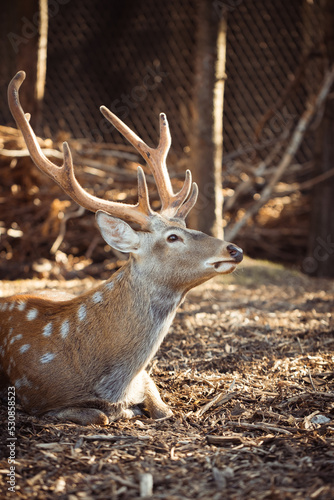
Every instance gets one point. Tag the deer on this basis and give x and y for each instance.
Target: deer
(83, 358)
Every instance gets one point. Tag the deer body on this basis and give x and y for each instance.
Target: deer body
(87, 350)
(84, 358)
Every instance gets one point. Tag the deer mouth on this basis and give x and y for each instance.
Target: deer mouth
(224, 266)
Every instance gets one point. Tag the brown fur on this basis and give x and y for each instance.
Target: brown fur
(100, 363)
(84, 358)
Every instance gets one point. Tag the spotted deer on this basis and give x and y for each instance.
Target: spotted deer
(83, 358)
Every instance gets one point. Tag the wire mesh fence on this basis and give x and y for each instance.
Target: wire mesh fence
(138, 59)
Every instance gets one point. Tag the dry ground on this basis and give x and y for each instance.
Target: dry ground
(247, 367)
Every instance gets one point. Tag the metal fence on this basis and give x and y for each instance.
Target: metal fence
(138, 58)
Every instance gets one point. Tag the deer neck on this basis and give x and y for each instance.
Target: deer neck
(138, 318)
(147, 302)
(137, 312)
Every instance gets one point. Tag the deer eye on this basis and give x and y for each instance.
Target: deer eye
(172, 237)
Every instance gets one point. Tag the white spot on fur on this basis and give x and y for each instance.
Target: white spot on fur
(3, 306)
(21, 306)
(47, 330)
(110, 285)
(10, 366)
(11, 306)
(46, 358)
(32, 314)
(26, 381)
(24, 399)
(21, 382)
(17, 337)
(65, 328)
(97, 297)
(18, 383)
(82, 312)
(24, 348)
(119, 276)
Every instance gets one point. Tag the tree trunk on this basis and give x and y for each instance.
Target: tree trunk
(207, 130)
(26, 25)
(320, 260)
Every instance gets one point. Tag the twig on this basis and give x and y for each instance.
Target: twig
(232, 384)
(291, 150)
(263, 427)
(307, 184)
(92, 246)
(223, 440)
(249, 149)
(62, 229)
(111, 437)
(306, 395)
(20, 153)
(260, 169)
(113, 153)
(292, 84)
(105, 167)
(121, 481)
(300, 345)
(311, 380)
(216, 401)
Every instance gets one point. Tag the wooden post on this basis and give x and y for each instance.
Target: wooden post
(320, 260)
(207, 130)
(26, 27)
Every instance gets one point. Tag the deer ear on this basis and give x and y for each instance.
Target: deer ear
(117, 233)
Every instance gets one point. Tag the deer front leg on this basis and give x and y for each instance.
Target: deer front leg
(143, 391)
(156, 407)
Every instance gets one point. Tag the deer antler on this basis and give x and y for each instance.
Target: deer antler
(64, 175)
(172, 205)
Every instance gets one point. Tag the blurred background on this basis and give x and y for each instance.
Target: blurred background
(247, 86)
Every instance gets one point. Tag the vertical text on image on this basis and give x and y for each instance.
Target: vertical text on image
(11, 440)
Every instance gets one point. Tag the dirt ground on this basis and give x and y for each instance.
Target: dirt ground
(247, 368)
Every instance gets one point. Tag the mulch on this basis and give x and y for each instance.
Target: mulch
(247, 368)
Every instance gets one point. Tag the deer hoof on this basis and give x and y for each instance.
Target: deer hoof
(158, 413)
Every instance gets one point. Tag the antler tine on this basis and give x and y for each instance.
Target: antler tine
(64, 175)
(156, 159)
(185, 208)
(143, 197)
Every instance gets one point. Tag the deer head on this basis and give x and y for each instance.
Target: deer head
(99, 344)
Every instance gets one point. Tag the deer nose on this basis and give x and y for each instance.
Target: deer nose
(235, 252)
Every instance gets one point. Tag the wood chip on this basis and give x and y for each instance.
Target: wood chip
(145, 484)
(224, 440)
